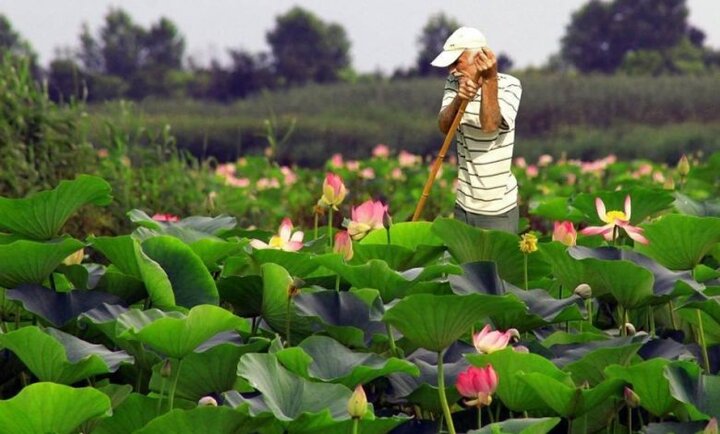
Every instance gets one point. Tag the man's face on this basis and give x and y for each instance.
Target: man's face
(464, 64)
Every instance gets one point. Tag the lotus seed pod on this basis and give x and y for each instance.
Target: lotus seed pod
(583, 290)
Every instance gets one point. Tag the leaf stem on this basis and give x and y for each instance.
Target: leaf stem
(701, 339)
(317, 218)
(356, 423)
(287, 323)
(441, 391)
(391, 340)
(173, 386)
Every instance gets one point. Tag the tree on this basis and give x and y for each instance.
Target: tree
(436, 31)
(602, 34)
(122, 44)
(11, 42)
(305, 49)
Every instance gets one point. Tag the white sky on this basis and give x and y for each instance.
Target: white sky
(383, 33)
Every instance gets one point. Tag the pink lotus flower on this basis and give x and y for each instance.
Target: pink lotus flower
(266, 183)
(168, 218)
(487, 341)
(237, 182)
(520, 162)
(620, 219)
(290, 176)
(406, 159)
(336, 161)
(367, 173)
(352, 165)
(366, 217)
(286, 239)
(545, 160)
(333, 191)
(565, 232)
(397, 174)
(225, 170)
(343, 245)
(711, 427)
(532, 171)
(381, 151)
(478, 384)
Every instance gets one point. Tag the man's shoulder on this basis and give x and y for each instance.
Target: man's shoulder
(507, 80)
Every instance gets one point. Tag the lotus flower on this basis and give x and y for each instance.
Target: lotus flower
(165, 218)
(343, 245)
(487, 341)
(366, 217)
(565, 232)
(381, 151)
(76, 258)
(615, 219)
(286, 239)
(528, 243)
(478, 384)
(333, 191)
(711, 427)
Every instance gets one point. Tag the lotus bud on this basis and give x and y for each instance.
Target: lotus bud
(712, 427)
(631, 398)
(630, 329)
(387, 220)
(343, 245)
(683, 166)
(357, 405)
(334, 191)
(583, 290)
(669, 183)
(166, 369)
(75, 259)
(207, 401)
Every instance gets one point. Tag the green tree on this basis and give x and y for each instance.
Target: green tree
(601, 34)
(305, 49)
(11, 42)
(431, 41)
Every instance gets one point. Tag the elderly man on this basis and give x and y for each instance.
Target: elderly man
(487, 189)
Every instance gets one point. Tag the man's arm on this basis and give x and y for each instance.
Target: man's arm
(489, 107)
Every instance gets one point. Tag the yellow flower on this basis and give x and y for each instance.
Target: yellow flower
(528, 243)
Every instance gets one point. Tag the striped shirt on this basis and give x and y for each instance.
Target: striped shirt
(485, 183)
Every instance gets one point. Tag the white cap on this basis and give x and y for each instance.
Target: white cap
(462, 39)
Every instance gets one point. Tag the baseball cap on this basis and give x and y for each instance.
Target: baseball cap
(460, 40)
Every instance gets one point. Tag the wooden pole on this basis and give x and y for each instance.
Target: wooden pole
(441, 156)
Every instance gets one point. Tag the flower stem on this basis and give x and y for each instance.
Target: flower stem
(317, 219)
(330, 223)
(479, 416)
(701, 341)
(356, 423)
(173, 386)
(337, 283)
(673, 321)
(629, 420)
(525, 266)
(441, 391)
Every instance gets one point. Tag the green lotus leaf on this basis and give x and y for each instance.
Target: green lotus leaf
(587, 362)
(410, 235)
(645, 203)
(212, 251)
(189, 230)
(557, 209)
(41, 216)
(392, 285)
(207, 372)
(298, 264)
(469, 244)
(509, 365)
(323, 358)
(706, 208)
(649, 383)
(26, 261)
(689, 385)
(323, 423)
(629, 284)
(679, 242)
(436, 321)
(216, 420)
(287, 395)
(397, 257)
(127, 256)
(519, 426)
(571, 401)
(52, 355)
(191, 281)
(244, 293)
(276, 287)
(175, 334)
(130, 289)
(134, 413)
(42, 408)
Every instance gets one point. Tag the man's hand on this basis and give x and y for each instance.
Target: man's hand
(486, 63)
(467, 88)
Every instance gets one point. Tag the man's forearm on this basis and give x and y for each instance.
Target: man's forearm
(489, 106)
(447, 115)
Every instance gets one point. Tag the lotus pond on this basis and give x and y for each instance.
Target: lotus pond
(603, 316)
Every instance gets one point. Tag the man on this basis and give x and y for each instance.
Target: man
(487, 189)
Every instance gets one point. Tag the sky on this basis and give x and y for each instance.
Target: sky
(383, 33)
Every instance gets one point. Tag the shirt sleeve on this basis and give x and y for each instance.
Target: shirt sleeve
(509, 100)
